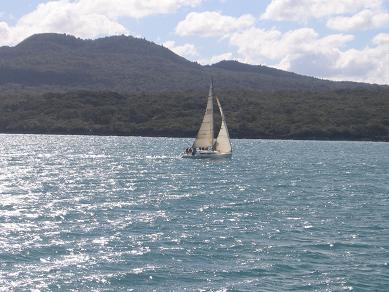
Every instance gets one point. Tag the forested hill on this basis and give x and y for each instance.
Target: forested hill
(54, 83)
(128, 64)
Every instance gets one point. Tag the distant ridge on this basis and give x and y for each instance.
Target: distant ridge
(128, 64)
(121, 85)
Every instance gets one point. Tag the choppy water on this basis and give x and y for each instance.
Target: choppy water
(121, 213)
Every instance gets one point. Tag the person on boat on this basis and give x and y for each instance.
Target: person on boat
(193, 151)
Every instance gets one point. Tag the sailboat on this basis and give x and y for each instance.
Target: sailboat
(205, 145)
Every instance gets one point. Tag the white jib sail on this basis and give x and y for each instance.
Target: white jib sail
(223, 143)
(205, 134)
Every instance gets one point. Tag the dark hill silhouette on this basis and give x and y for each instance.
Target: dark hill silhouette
(128, 64)
(120, 63)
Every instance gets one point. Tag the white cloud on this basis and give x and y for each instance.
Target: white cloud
(304, 51)
(257, 45)
(381, 39)
(4, 30)
(297, 10)
(211, 23)
(133, 8)
(363, 20)
(370, 64)
(216, 59)
(85, 18)
(221, 57)
(188, 51)
(64, 17)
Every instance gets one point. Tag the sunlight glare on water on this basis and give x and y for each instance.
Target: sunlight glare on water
(86, 212)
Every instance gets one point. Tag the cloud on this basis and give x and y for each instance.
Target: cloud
(188, 51)
(257, 45)
(4, 30)
(64, 17)
(85, 18)
(370, 64)
(211, 24)
(381, 39)
(297, 10)
(304, 51)
(133, 8)
(216, 59)
(363, 20)
(221, 57)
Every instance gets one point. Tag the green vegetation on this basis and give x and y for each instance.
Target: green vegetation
(341, 114)
(53, 83)
(55, 62)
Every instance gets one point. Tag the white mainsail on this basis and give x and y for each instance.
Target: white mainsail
(205, 134)
(223, 143)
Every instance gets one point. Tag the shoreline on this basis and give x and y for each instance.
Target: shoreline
(192, 136)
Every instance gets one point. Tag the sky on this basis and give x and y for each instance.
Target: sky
(331, 39)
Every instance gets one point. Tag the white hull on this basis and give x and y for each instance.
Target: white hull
(207, 154)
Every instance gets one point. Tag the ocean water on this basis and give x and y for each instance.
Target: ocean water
(127, 213)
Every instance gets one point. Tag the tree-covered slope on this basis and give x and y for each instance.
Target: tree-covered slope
(53, 83)
(128, 64)
(340, 114)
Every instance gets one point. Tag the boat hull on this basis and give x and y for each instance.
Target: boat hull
(207, 154)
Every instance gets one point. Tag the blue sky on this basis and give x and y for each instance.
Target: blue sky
(332, 39)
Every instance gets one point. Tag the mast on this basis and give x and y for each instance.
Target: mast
(210, 97)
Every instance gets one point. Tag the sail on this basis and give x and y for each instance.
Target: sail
(205, 134)
(223, 144)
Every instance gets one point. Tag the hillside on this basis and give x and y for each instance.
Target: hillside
(119, 63)
(128, 64)
(53, 83)
(340, 115)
